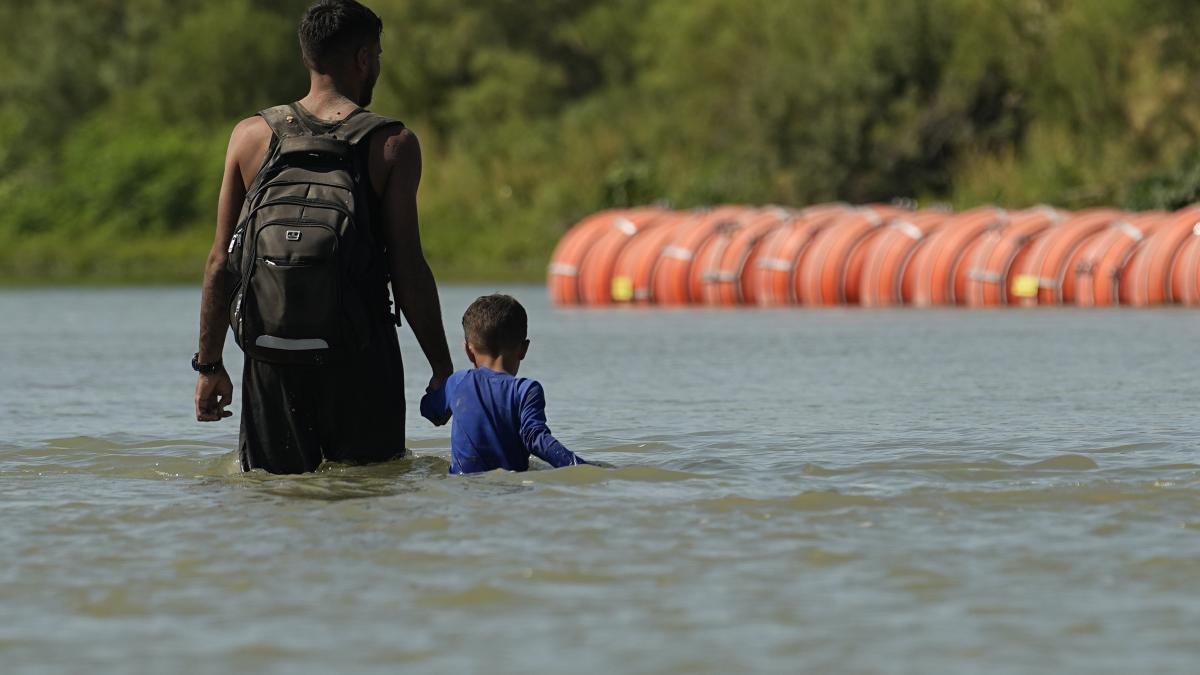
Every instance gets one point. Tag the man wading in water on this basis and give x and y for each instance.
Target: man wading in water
(301, 260)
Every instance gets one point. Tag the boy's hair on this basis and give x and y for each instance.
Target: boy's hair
(333, 29)
(494, 323)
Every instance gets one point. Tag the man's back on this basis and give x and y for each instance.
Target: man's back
(293, 417)
(391, 149)
(349, 407)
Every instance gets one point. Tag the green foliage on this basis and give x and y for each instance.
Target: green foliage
(534, 113)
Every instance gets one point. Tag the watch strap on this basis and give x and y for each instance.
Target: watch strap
(206, 368)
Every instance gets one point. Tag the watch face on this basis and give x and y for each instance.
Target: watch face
(207, 369)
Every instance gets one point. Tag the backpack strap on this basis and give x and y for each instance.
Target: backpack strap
(283, 121)
(359, 126)
(286, 122)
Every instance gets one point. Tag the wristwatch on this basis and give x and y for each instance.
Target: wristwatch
(206, 368)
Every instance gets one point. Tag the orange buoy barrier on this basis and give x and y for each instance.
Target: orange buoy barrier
(730, 279)
(1097, 271)
(878, 255)
(828, 276)
(563, 272)
(784, 251)
(936, 262)
(888, 255)
(596, 269)
(1042, 278)
(1146, 280)
(671, 283)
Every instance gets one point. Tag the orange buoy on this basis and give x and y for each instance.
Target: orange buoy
(730, 279)
(562, 276)
(596, 268)
(1183, 289)
(784, 250)
(999, 250)
(888, 255)
(1042, 278)
(1185, 283)
(633, 270)
(709, 254)
(831, 272)
(1097, 270)
(1146, 280)
(936, 262)
(671, 283)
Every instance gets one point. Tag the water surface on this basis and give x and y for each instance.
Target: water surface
(795, 491)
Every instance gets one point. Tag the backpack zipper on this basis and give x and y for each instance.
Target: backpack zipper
(275, 262)
(248, 270)
(300, 201)
(254, 195)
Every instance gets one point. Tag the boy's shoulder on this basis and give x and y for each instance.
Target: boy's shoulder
(526, 386)
(487, 374)
(492, 377)
(520, 382)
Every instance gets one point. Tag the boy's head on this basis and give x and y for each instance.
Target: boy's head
(496, 326)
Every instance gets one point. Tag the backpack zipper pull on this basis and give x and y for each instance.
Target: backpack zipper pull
(234, 242)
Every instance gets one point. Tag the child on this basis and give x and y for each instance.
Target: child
(499, 419)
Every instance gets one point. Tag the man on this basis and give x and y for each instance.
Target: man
(296, 416)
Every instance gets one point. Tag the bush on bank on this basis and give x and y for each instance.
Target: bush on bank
(114, 116)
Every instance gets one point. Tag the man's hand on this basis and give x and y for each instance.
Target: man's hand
(214, 393)
(434, 406)
(436, 382)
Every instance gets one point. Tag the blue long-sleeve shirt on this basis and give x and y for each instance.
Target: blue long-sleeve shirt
(499, 420)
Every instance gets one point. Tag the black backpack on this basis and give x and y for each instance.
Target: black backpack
(312, 276)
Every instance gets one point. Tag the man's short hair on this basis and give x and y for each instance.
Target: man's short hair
(494, 323)
(333, 29)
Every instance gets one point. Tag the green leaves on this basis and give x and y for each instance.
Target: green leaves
(534, 113)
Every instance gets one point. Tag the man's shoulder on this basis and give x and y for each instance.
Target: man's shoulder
(395, 154)
(248, 145)
(249, 140)
(251, 129)
(396, 144)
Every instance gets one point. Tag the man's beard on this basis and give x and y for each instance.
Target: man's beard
(364, 99)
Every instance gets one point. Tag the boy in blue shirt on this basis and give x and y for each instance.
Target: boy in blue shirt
(499, 418)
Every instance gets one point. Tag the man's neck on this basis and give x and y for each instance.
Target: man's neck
(327, 101)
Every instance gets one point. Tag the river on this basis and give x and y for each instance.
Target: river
(839, 491)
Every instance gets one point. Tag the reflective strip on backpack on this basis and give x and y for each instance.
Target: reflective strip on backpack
(287, 344)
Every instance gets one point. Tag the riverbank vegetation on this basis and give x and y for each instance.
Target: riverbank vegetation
(533, 113)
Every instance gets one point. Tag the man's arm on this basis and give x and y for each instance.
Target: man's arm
(536, 435)
(412, 281)
(247, 144)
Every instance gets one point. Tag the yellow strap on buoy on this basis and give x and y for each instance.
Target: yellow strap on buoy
(622, 289)
(1026, 286)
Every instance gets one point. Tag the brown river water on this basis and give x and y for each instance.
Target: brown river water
(837, 491)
